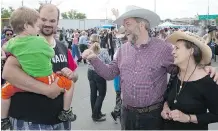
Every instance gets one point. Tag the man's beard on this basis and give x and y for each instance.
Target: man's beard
(134, 38)
(47, 33)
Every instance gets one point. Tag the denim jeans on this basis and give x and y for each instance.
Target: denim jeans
(98, 88)
(141, 121)
(82, 48)
(212, 47)
(24, 125)
(75, 51)
(118, 102)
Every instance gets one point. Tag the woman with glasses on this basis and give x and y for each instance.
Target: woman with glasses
(8, 35)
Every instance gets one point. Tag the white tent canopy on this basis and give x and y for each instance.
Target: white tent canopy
(167, 24)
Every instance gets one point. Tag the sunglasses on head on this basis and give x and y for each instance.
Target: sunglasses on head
(10, 34)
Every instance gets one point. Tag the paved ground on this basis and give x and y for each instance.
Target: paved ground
(81, 105)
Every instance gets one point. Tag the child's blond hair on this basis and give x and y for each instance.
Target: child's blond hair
(22, 16)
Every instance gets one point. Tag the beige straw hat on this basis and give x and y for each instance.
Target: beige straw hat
(197, 40)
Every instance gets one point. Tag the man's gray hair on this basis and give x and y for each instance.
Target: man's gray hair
(146, 22)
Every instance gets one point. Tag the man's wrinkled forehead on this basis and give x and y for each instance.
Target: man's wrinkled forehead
(49, 12)
(128, 20)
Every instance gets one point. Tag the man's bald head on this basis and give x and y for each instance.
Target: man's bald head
(50, 7)
(49, 16)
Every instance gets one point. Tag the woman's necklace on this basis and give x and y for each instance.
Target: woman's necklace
(181, 85)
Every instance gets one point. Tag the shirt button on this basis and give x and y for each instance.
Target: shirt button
(134, 96)
(136, 72)
(133, 85)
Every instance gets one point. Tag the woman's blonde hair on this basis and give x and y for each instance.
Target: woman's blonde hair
(83, 33)
(95, 43)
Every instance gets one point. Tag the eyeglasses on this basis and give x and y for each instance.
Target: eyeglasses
(9, 34)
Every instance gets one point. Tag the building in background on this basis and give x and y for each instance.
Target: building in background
(4, 22)
(184, 21)
(83, 24)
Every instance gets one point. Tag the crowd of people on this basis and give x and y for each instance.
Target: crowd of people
(39, 67)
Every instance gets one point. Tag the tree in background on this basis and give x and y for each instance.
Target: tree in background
(6, 13)
(45, 2)
(73, 14)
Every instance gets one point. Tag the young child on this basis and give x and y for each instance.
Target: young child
(117, 109)
(34, 55)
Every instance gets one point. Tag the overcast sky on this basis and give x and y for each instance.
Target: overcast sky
(96, 9)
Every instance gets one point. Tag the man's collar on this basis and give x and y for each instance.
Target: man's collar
(54, 43)
(144, 43)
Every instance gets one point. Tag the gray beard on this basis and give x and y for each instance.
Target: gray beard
(134, 39)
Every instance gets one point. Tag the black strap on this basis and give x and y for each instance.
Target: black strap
(169, 85)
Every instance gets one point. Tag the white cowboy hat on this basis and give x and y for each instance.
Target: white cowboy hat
(134, 11)
(197, 40)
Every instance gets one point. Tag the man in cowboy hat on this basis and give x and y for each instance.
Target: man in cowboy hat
(142, 64)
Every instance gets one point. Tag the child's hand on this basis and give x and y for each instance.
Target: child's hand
(68, 73)
(54, 90)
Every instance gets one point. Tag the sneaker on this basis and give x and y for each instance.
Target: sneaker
(67, 115)
(100, 119)
(113, 115)
(5, 124)
(102, 115)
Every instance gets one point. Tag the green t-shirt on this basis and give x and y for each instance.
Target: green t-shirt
(33, 53)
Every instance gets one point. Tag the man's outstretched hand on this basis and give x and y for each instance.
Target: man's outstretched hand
(89, 54)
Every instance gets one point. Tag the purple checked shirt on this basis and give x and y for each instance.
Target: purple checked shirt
(143, 71)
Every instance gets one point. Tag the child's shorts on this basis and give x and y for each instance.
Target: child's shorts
(9, 90)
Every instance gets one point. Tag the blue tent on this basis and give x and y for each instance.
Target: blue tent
(108, 26)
